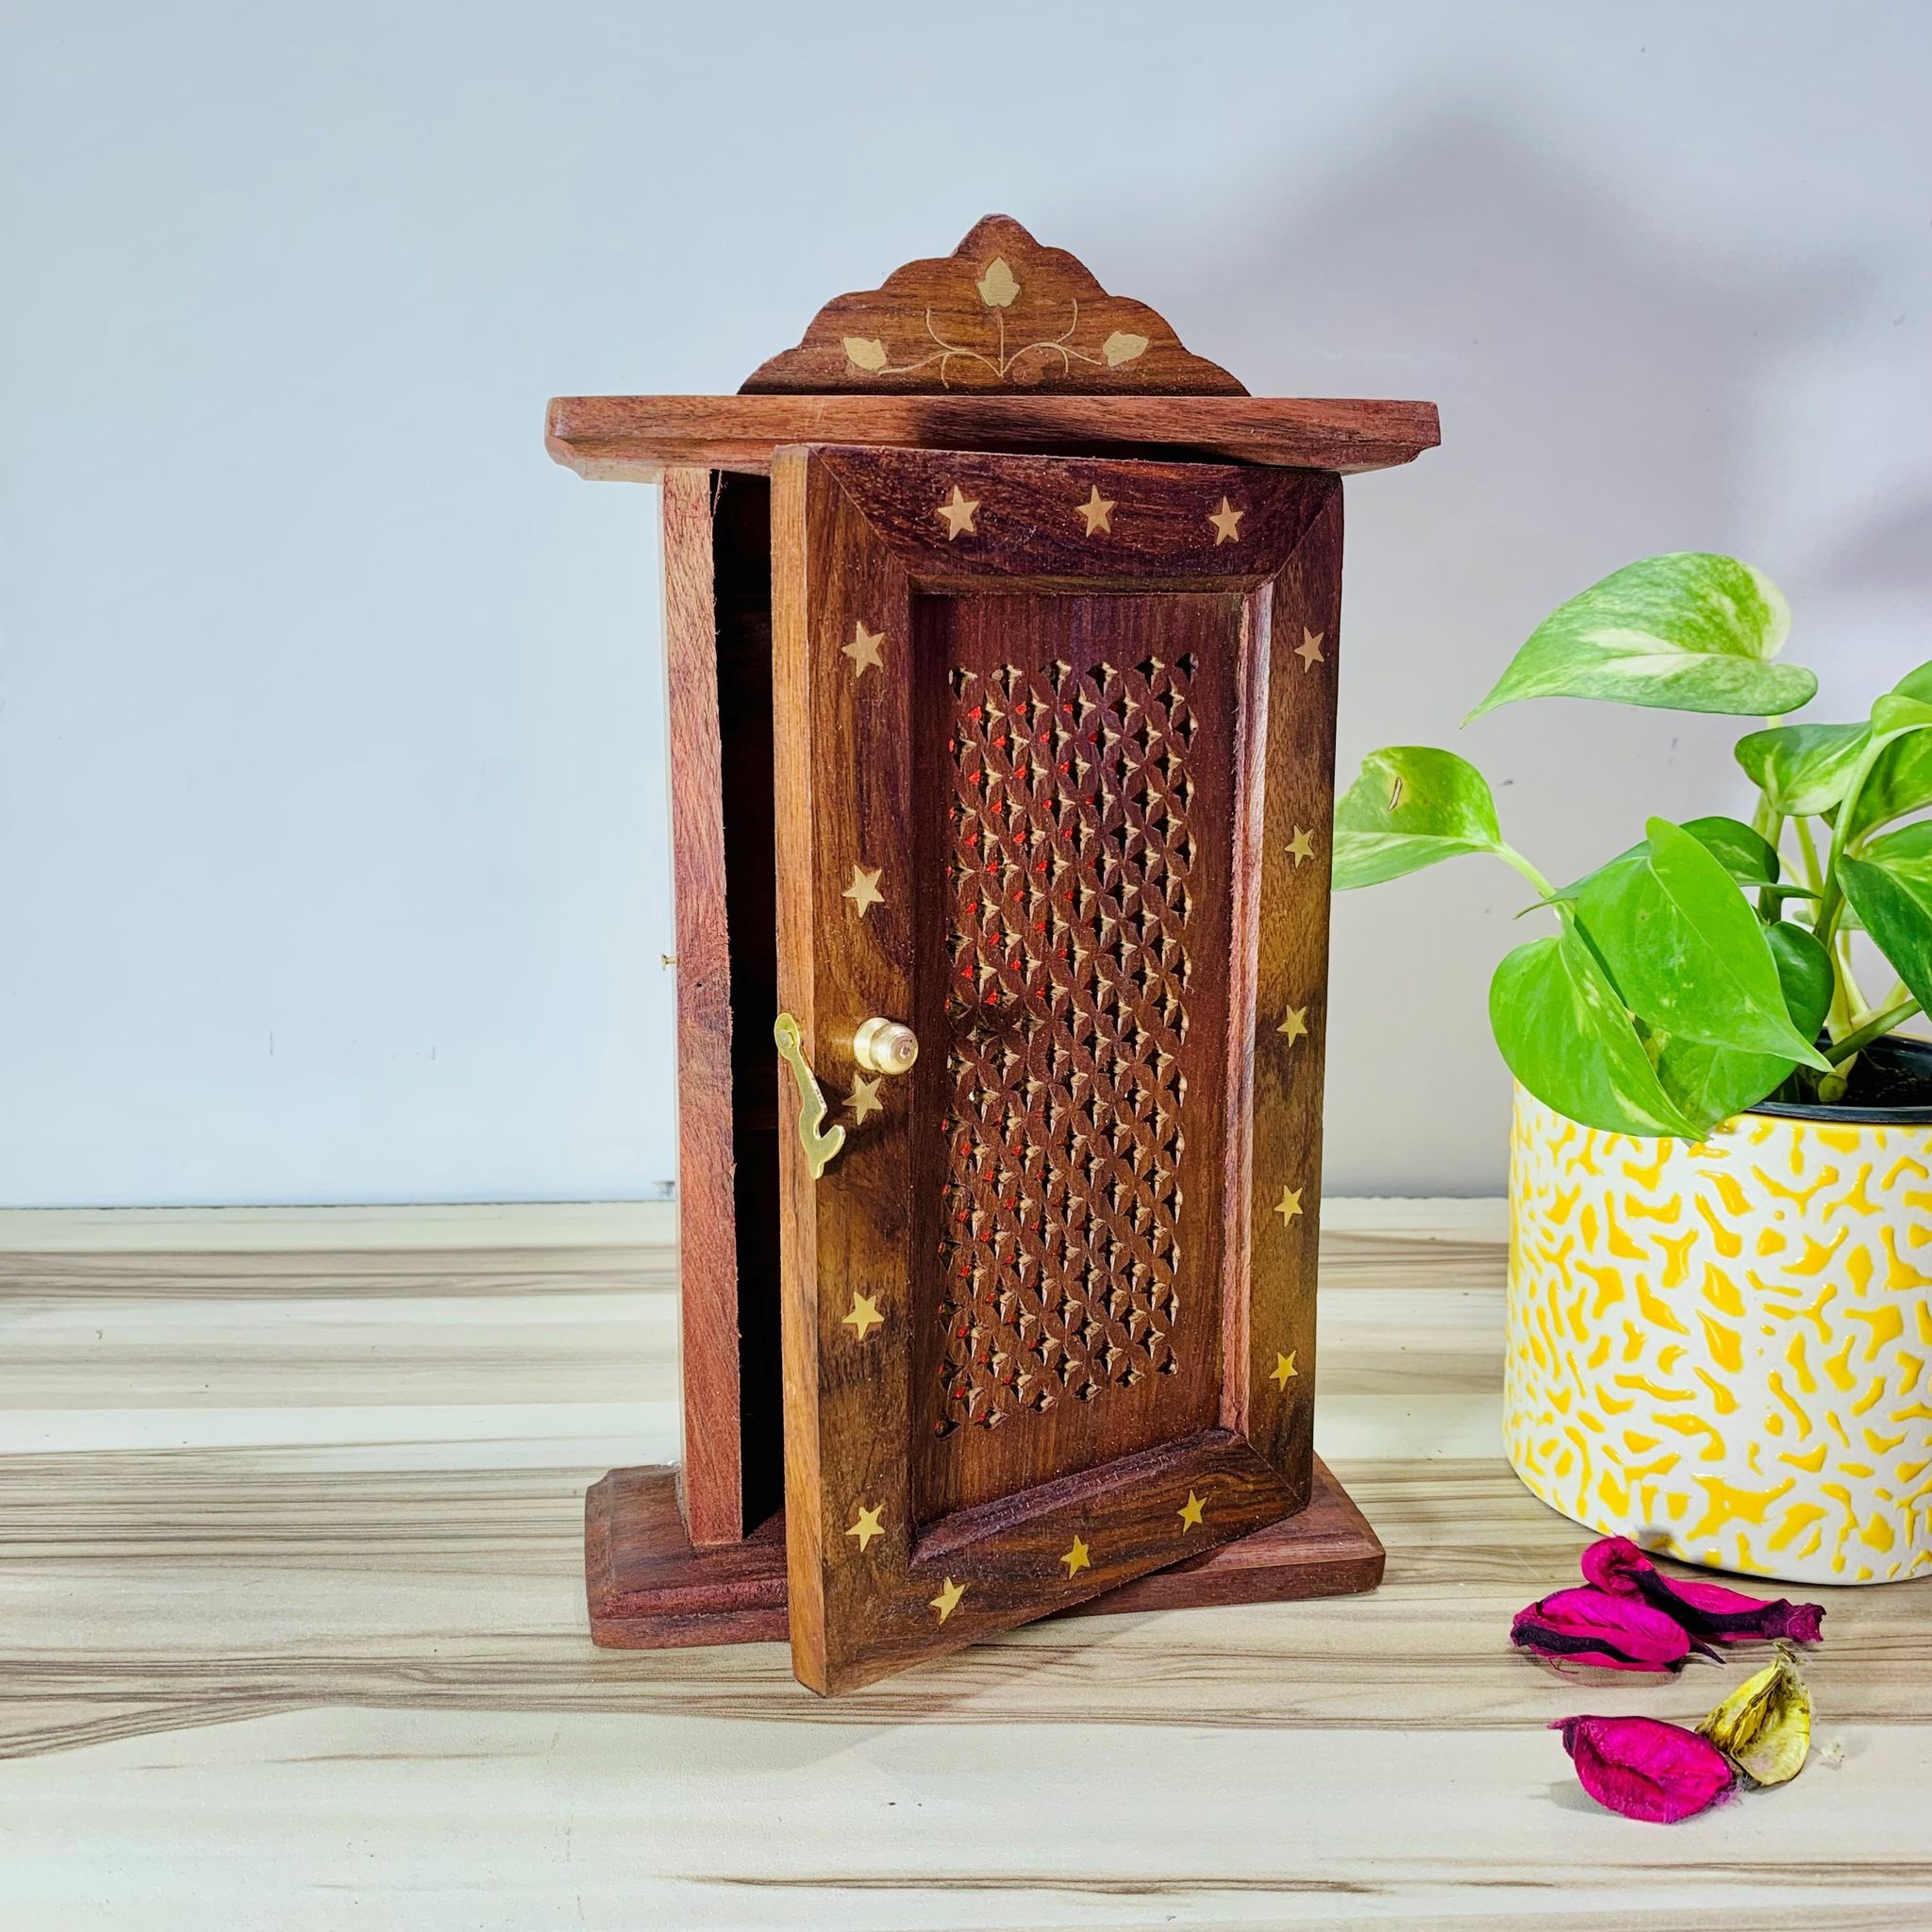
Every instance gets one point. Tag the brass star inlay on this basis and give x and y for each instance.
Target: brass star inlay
(1226, 522)
(1309, 649)
(1098, 511)
(959, 516)
(864, 1098)
(864, 649)
(1301, 846)
(1190, 1513)
(868, 1525)
(1288, 1205)
(864, 890)
(1284, 1371)
(863, 1316)
(1296, 1024)
(948, 1599)
(1076, 1559)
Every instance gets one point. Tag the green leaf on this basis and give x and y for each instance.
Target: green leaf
(1713, 1083)
(1889, 887)
(1900, 779)
(1803, 769)
(1916, 684)
(1410, 807)
(1749, 856)
(1688, 632)
(1898, 784)
(1687, 951)
(1803, 974)
(1566, 1036)
(1893, 716)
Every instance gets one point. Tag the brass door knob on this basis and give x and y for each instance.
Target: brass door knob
(885, 1046)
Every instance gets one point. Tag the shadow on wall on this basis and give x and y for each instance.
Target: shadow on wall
(1598, 368)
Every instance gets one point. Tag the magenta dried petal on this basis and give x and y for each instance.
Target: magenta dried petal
(1616, 1564)
(1799, 1623)
(1706, 1609)
(1639, 1767)
(1728, 1616)
(1588, 1627)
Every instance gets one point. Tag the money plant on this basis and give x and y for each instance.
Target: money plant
(1709, 967)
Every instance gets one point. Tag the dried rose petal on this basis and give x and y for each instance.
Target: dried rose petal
(1704, 1609)
(1590, 1627)
(1639, 1767)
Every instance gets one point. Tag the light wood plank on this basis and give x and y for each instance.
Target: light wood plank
(290, 1605)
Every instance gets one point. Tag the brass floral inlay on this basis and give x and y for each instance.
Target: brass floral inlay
(999, 288)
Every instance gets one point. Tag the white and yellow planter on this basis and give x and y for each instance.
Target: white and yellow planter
(1721, 1349)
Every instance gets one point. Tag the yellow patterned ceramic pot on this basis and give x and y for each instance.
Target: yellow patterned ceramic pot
(1720, 1349)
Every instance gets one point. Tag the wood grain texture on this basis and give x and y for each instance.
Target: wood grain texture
(1064, 1424)
(291, 1605)
(711, 1491)
(1279, 1035)
(635, 438)
(999, 312)
(648, 1589)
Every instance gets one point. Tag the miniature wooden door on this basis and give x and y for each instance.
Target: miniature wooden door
(1053, 763)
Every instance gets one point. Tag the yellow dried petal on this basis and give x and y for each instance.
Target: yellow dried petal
(1764, 1725)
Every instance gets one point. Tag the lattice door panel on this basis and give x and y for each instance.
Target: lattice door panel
(1072, 850)
(1076, 751)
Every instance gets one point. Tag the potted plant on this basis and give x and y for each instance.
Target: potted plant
(1719, 1304)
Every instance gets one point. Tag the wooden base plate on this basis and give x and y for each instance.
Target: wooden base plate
(649, 1590)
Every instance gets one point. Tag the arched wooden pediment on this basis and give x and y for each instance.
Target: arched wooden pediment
(999, 313)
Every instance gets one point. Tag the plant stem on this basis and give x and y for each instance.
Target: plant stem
(1841, 962)
(1769, 826)
(1873, 1028)
(1808, 851)
(1509, 856)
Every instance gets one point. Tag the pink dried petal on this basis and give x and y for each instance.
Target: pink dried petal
(1589, 1626)
(1704, 1609)
(1639, 1767)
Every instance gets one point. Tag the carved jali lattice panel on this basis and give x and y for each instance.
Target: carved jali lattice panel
(1070, 863)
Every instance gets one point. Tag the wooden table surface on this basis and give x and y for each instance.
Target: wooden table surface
(292, 1635)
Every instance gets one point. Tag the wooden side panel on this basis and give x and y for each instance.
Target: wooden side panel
(711, 1489)
(1276, 1055)
(741, 555)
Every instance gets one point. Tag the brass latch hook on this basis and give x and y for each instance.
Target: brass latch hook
(819, 1142)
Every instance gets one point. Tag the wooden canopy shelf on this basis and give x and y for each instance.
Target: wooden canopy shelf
(636, 439)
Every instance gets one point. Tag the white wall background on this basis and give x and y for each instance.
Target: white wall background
(331, 784)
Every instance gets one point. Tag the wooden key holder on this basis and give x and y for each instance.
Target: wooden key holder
(1001, 635)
